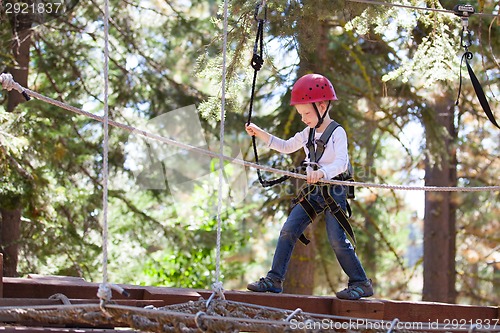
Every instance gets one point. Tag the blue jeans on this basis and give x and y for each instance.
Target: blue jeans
(296, 224)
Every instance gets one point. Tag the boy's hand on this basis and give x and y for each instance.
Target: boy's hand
(313, 176)
(254, 130)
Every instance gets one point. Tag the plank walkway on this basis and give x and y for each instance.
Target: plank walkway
(36, 290)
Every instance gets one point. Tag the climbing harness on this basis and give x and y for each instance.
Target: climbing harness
(315, 154)
(465, 11)
(257, 62)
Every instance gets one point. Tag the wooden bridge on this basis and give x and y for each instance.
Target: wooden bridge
(35, 290)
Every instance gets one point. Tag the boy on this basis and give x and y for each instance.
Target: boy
(311, 96)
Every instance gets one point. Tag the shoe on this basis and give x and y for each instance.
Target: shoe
(266, 284)
(356, 291)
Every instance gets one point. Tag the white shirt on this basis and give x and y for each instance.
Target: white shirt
(335, 158)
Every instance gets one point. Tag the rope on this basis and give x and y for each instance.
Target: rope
(220, 318)
(393, 324)
(217, 286)
(256, 63)
(104, 292)
(63, 298)
(297, 311)
(427, 9)
(238, 161)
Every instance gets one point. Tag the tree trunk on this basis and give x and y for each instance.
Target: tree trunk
(21, 43)
(10, 223)
(440, 214)
(299, 278)
(495, 288)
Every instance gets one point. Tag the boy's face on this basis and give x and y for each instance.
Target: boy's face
(308, 114)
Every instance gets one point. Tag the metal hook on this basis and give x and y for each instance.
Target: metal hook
(258, 10)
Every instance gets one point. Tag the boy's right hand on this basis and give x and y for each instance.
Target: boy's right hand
(254, 130)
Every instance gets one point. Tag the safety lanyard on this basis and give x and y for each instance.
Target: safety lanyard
(465, 11)
(257, 62)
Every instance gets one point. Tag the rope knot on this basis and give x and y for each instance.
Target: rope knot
(257, 62)
(8, 83)
(218, 290)
(104, 293)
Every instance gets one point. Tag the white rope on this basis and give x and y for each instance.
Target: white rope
(8, 83)
(394, 322)
(238, 161)
(293, 314)
(104, 293)
(217, 286)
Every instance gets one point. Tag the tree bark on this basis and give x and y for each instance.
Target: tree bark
(21, 43)
(440, 214)
(10, 223)
(300, 275)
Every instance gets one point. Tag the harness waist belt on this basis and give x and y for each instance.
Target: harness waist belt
(303, 200)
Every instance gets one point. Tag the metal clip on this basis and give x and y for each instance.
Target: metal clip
(258, 10)
(312, 165)
(464, 11)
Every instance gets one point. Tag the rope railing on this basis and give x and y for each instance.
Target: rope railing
(426, 9)
(8, 83)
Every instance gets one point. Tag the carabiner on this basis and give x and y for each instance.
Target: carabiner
(258, 10)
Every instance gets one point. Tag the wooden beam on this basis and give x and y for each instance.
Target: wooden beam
(42, 287)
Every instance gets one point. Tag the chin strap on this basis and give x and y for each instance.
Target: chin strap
(320, 117)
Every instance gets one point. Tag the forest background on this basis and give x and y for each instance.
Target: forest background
(396, 72)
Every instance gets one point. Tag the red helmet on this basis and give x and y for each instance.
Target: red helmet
(312, 88)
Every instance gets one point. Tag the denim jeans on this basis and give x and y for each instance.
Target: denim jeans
(297, 222)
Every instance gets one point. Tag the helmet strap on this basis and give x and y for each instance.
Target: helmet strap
(320, 117)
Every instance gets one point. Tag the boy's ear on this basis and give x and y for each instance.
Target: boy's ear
(324, 106)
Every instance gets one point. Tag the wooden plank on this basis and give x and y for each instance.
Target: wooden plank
(315, 304)
(171, 296)
(363, 308)
(13, 302)
(34, 329)
(437, 312)
(71, 287)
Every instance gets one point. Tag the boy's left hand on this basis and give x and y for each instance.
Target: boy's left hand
(313, 176)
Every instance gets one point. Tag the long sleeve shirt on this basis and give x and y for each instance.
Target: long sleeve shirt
(335, 158)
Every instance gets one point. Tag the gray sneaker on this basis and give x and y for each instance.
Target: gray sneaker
(357, 290)
(266, 284)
